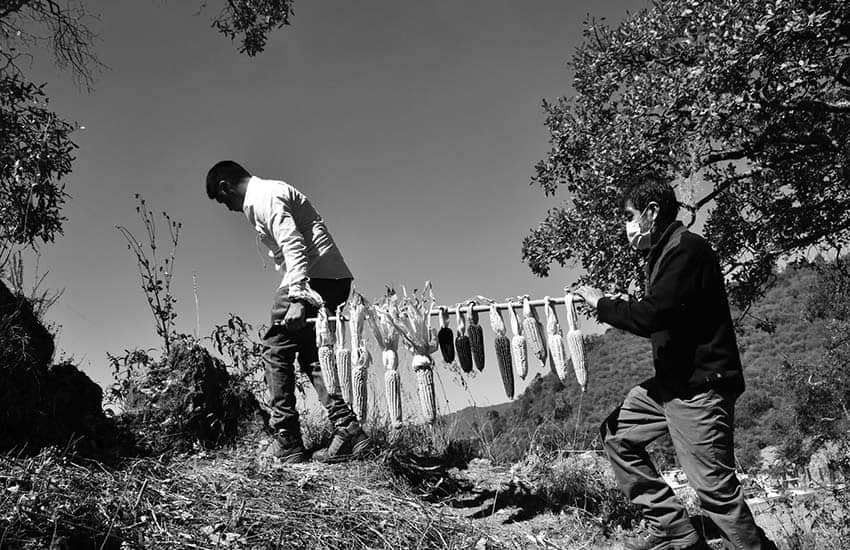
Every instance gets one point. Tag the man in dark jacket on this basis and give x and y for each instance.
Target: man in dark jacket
(698, 376)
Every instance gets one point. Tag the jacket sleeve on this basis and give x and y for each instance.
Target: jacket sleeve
(664, 304)
(294, 249)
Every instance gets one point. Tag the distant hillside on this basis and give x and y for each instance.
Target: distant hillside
(775, 331)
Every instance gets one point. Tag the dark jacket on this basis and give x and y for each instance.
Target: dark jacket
(685, 312)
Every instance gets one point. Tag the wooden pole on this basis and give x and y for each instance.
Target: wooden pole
(481, 308)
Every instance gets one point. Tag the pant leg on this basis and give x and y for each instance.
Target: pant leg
(702, 431)
(333, 292)
(280, 347)
(627, 431)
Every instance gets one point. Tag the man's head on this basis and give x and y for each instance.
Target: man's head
(651, 206)
(226, 184)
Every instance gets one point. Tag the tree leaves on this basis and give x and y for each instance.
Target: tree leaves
(742, 104)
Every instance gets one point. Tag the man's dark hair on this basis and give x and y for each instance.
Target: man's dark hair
(226, 170)
(652, 187)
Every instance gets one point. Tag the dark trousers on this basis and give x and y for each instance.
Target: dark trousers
(282, 346)
(701, 430)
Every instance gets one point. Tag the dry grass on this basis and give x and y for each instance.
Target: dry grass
(228, 500)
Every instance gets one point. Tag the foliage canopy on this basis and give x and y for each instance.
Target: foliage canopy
(744, 104)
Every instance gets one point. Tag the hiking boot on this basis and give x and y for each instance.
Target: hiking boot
(686, 541)
(286, 448)
(348, 442)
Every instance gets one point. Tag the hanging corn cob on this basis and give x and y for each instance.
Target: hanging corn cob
(414, 326)
(361, 359)
(464, 351)
(445, 337)
(503, 350)
(423, 366)
(533, 331)
(519, 350)
(343, 357)
(556, 341)
(387, 337)
(325, 344)
(476, 336)
(575, 343)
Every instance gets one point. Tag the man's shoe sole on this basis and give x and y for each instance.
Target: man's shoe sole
(696, 544)
(299, 458)
(357, 451)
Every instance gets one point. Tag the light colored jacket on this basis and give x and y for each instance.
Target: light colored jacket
(295, 234)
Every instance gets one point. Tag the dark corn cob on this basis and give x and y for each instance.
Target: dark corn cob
(446, 338)
(503, 350)
(476, 337)
(464, 350)
(503, 356)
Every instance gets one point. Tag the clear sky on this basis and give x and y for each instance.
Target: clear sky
(412, 126)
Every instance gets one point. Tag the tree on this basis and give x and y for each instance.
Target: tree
(745, 104)
(36, 150)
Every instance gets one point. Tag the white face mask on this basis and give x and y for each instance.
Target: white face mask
(639, 240)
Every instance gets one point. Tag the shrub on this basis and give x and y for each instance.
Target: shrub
(184, 401)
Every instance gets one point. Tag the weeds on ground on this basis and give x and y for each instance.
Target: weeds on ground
(580, 482)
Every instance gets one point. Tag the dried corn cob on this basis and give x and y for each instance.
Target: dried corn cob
(503, 350)
(533, 331)
(555, 341)
(423, 366)
(325, 345)
(392, 387)
(464, 351)
(519, 351)
(445, 337)
(360, 383)
(343, 358)
(476, 336)
(361, 360)
(413, 325)
(575, 343)
(387, 338)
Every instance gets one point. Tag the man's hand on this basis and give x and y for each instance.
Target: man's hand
(590, 295)
(296, 316)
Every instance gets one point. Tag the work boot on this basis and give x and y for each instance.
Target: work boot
(686, 541)
(287, 448)
(348, 442)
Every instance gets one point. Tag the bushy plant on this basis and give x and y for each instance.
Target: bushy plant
(185, 400)
(578, 480)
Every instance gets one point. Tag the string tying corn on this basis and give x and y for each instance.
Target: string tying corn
(445, 337)
(519, 350)
(575, 343)
(361, 359)
(387, 337)
(556, 341)
(343, 358)
(413, 325)
(327, 358)
(503, 350)
(476, 336)
(462, 347)
(533, 331)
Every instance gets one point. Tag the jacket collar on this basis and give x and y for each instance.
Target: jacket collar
(655, 250)
(671, 237)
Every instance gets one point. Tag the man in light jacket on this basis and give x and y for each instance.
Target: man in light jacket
(314, 274)
(698, 376)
